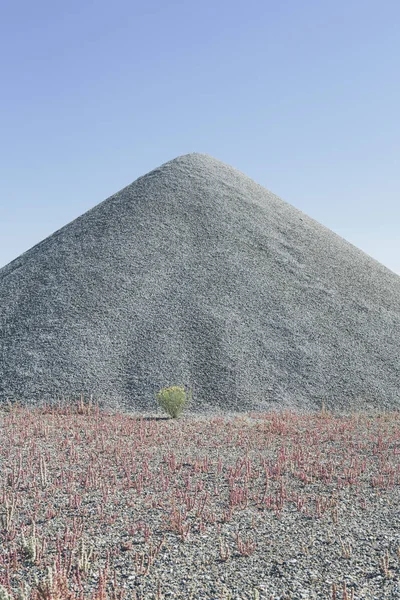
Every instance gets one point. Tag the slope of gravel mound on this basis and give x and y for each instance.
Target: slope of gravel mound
(196, 275)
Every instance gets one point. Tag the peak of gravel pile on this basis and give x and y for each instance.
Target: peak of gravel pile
(196, 275)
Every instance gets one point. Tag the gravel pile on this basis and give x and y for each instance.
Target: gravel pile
(196, 275)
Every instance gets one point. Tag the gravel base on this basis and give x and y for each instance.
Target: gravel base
(336, 477)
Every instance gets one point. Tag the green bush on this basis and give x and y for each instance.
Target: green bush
(173, 399)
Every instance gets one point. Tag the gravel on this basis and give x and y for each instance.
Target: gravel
(337, 524)
(196, 275)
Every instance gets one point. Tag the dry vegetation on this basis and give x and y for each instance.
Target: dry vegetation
(70, 475)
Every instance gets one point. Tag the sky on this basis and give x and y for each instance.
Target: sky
(302, 96)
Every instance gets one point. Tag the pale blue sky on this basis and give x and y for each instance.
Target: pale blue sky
(302, 96)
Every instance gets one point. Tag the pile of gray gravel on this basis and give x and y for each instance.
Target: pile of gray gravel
(196, 275)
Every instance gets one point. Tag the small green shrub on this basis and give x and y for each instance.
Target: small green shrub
(173, 399)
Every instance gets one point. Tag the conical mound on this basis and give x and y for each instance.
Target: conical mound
(196, 275)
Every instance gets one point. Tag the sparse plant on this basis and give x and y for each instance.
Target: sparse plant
(226, 593)
(29, 546)
(54, 586)
(84, 558)
(173, 400)
(7, 514)
(346, 549)
(346, 596)
(224, 551)
(25, 593)
(84, 407)
(324, 412)
(11, 406)
(245, 547)
(4, 595)
(385, 565)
